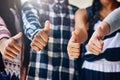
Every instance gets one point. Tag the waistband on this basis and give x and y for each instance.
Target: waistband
(102, 66)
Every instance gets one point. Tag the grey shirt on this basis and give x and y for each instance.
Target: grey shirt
(113, 19)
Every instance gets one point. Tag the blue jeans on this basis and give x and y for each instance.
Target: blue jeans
(3, 76)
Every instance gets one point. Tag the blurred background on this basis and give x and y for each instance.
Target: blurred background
(79, 3)
(82, 3)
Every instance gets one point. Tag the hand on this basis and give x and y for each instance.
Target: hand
(95, 44)
(41, 38)
(73, 47)
(9, 47)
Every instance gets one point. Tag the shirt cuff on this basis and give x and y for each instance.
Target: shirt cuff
(4, 36)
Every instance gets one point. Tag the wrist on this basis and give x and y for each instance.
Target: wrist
(81, 35)
(105, 28)
(3, 40)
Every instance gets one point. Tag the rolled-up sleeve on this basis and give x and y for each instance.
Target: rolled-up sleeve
(113, 19)
(4, 32)
(30, 19)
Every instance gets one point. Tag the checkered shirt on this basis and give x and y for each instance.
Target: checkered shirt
(51, 63)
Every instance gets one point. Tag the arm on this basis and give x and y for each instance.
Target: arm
(79, 35)
(30, 19)
(81, 25)
(109, 25)
(113, 20)
(33, 29)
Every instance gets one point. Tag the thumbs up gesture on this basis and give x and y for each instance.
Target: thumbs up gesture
(73, 47)
(41, 38)
(9, 47)
(95, 44)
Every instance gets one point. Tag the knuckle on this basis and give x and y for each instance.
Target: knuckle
(7, 48)
(5, 53)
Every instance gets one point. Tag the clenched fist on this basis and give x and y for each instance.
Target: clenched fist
(10, 47)
(41, 38)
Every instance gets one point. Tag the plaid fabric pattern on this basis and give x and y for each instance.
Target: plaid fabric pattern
(51, 63)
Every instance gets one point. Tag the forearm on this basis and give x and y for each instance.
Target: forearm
(113, 19)
(4, 32)
(82, 34)
(30, 21)
(104, 29)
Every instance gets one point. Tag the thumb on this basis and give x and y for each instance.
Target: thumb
(17, 36)
(73, 38)
(47, 26)
(99, 33)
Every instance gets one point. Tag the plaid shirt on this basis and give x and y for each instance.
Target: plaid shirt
(51, 63)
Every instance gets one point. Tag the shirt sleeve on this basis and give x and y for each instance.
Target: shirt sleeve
(113, 19)
(4, 32)
(30, 19)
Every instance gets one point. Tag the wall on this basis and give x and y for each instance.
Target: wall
(81, 3)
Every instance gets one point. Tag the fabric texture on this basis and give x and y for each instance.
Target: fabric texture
(113, 20)
(111, 46)
(52, 62)
(106, 65)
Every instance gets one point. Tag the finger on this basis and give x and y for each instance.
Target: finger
(17, 36)
(36, 44)
(73, 53)
(35, 48)
(13, 50)
(8, 57)
(97, 43)
(10, 54)
(74, 45)
(92, 44)
(76, 50)
(71, 49)
(95, 52)
(14, 44)
(47, 27)
(40, 40)
(73, 56)
(43, 36)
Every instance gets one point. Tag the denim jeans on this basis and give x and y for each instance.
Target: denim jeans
(3, 76)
